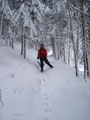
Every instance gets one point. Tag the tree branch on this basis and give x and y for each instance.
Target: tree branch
(79, 10)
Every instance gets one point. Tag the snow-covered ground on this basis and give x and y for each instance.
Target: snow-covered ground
(28, 94)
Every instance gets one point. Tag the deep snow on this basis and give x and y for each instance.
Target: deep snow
(28, 94)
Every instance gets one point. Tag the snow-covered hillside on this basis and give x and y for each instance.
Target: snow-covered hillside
(28, 94)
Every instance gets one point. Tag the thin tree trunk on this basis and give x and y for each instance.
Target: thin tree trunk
(10, 42)
(12, 45)
(1, 24)
(69, 52)
(88, 53)
(55, 49)
(22, 39)
(87, 65)
(77, 45)
(53, 46)
(71, 29)
(2, 16)
(84, 39)
(24, 46)
(58, 45)
(64, 54)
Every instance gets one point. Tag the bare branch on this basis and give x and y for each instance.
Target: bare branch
(80, 10)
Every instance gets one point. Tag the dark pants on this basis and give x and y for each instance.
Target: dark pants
(47, 62)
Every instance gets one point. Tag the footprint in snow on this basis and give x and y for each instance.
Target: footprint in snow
(67, 81)
(12, 75)
(18, 90)
(18, 114)
(45, 103)
(47, 110)
(65, 91)
(45, 118)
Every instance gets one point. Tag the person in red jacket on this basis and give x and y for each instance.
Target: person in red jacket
(42, 55)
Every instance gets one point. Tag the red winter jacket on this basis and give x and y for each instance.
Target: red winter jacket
(42, 53)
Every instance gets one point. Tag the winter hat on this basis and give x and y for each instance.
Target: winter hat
(42, 45)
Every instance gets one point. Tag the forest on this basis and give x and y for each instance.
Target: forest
(44, 59)
(62, 25)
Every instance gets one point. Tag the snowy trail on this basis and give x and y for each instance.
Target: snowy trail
(45, 102)
(28, 94)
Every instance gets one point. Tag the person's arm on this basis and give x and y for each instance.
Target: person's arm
(45, 53)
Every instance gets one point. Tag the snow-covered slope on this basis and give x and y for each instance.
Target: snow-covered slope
(28, 94)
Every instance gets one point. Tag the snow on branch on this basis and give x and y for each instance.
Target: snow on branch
(79, 10)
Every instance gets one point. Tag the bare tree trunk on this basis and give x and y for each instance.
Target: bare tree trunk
(2, 16)
(22, 39)
(12, 43)
(54, 45)
(87, 65)
(58, 48)
(77, 45)
(88, 53)
(1, 24)
(71, 29)
(69, 52)
(68, 45)
(64, 54)
(24, 46)
(84, 39)
(9, 37)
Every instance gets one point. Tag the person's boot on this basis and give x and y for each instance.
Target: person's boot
(41, 69)
(51, 66)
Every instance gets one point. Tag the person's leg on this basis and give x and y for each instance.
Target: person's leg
(47, 62)
(41, 62)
